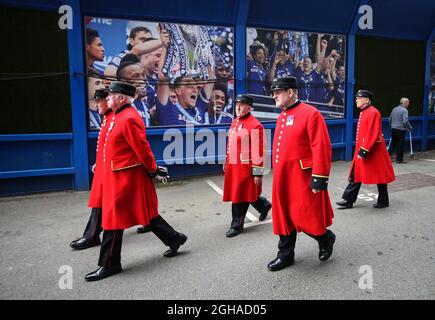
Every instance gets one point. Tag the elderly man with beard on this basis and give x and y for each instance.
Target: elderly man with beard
(129, 194)
(301, 159)
(244, 166)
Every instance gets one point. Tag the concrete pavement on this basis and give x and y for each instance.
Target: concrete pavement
(396, 244)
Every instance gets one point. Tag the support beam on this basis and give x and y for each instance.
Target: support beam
(350, 86)
(78, 101)
(427, 85)
(350, 81)
(242, 10)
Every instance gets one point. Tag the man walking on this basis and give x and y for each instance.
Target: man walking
(371, 163)
(129, 194)
(91, 235)
(244, 166)
(301, 158)
(399, 126)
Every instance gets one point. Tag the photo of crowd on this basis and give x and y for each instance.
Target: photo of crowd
(183, 73)
(316, 60)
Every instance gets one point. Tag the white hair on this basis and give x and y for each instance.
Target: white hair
(128, 98)
(404, 100)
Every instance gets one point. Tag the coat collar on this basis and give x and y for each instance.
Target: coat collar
(245, 116)
(294, 105)
(125, 106)
(365, 108)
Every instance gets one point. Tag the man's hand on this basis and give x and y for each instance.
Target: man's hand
(323, 44)
(276, 60)
(315, 190)
(164, 37)
(359, 157)
(161, 174)
(93, 168)
(258, 180)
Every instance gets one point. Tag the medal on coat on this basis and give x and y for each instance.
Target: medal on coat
(240, 127)
(112, 124)
(290, 120)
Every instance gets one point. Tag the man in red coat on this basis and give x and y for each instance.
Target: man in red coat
(244, 166)
(301, 160)
(371, 163)
(91, 235)
(129, 195)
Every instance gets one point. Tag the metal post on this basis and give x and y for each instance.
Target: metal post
(78, 104)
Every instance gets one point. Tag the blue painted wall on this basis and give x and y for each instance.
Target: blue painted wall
(48, 162)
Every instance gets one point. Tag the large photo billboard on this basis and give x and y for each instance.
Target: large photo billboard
(317, 61)
(183, 73)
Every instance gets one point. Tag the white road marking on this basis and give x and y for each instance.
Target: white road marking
(253, 224)
(431, 160)
(220, 191)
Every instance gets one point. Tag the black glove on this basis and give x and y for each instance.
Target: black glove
(161, 174)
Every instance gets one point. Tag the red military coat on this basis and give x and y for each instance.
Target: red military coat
(375, 167)
(96, 196)
(245, 155)
(301, 159)
(129, 195)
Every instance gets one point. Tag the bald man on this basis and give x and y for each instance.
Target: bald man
(399, 125)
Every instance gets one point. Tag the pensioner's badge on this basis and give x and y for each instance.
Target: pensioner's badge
(112, 124)
(290, 120)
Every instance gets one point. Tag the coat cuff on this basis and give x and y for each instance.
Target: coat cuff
(161, 172)
(363, 152)
(152, 174)
(257, 171)
(319, 182)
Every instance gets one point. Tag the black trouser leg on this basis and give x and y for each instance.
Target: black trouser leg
(261, 204)
(110, 252)
(393, 143)
(286, 246)
(397, 142)
(93, 227)
(351, 192)
(400, 145)
(163, 230)
(322, 239)
(383, 194)
(239, 212)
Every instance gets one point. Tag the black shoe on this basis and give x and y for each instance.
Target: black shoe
(401, 161)
(345, 204)
(103, 272)
(325, 252)
(264, 214)
(173, 249)
(380, 205)
(278, 264)
(233, 232)
(84, 243)
(143, 229)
